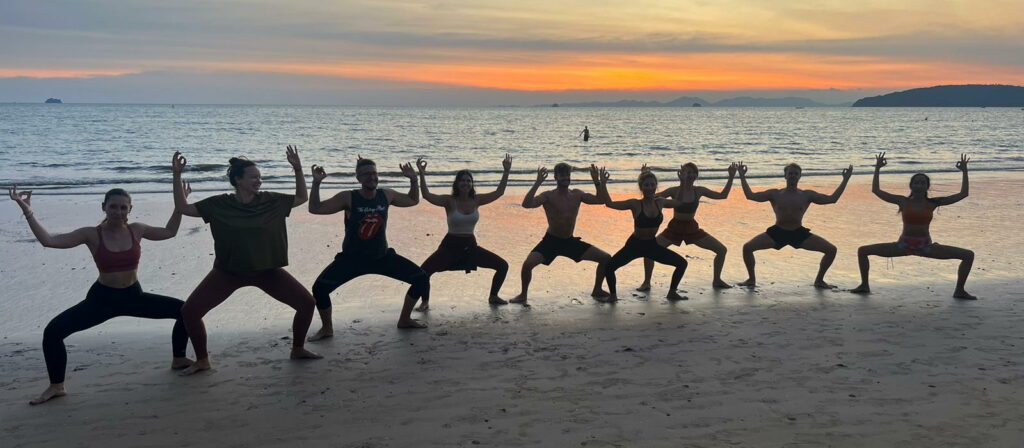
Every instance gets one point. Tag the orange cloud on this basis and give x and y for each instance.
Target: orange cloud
(660, 72)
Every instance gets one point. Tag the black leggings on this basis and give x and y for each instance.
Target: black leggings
(100, 305)
(637, 248)
(345, 268)
(460, 252)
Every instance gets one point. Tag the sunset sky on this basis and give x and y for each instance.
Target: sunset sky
(499, 51)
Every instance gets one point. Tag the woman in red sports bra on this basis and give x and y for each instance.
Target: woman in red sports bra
(917, 211)
(115, 245)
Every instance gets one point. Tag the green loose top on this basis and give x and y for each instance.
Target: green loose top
(248, 237)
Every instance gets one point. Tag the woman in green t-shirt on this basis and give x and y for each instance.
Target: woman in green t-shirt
(250, 244)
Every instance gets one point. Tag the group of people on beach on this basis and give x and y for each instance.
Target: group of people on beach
(251, 244)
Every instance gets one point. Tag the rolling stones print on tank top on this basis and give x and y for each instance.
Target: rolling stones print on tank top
(366, 226)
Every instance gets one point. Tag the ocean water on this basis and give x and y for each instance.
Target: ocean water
(74, 149)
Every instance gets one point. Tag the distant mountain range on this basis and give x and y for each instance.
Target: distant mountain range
(971, 95)
(692, 101)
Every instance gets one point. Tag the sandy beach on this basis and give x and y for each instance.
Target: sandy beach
(783, 364)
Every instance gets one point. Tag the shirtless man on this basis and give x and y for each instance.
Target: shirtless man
(790, 204)
(561, 206)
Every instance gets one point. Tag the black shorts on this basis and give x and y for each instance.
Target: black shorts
(551, 247)
(783, 237)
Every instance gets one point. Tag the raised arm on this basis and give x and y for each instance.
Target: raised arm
(761, 196)
(600, 178)
(725, 191)
(171, 229)
(59, 241)
(413, 197)
(531, 200)
(436, 199)
(301, 196)
(880, 161)
(818, 198)
(622, 205)
(181, 204)
(487, 198)
(339, 202)
(964, 184)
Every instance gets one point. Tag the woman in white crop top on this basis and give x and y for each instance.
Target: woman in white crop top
(458, 250)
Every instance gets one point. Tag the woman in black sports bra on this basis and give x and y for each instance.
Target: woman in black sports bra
(643, 242)
(684, 229)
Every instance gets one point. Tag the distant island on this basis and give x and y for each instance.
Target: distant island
(971, 95)
(692, 101)
(53, 101)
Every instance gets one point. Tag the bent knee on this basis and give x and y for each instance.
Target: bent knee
(189, 311)
(419, 284)
(321, 290)
(306, 304)
(53, 333)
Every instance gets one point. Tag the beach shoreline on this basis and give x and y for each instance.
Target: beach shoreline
(784, 364)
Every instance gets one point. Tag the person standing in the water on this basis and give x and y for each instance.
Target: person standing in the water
(586, 134)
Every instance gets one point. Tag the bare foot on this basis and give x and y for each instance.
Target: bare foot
(519, 300)
(495, 300)
(963, 295)
(411, 323)
(302, 353)
(181, 363)
(54, 391)
(644, 287)
(423, 307)
(861, 289)
(749, 283)
(719, 284)
(599, 293)
(325, 332)
(196, 367)
(608, 298)
(820, 284)
(672, 295)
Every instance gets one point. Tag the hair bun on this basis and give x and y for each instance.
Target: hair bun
(237, 161)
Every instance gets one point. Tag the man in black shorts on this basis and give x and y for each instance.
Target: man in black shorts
(562, 206)
(790, 204)
(365, 248)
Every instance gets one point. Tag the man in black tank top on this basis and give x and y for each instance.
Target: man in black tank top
(365, 247)
(366, 226)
